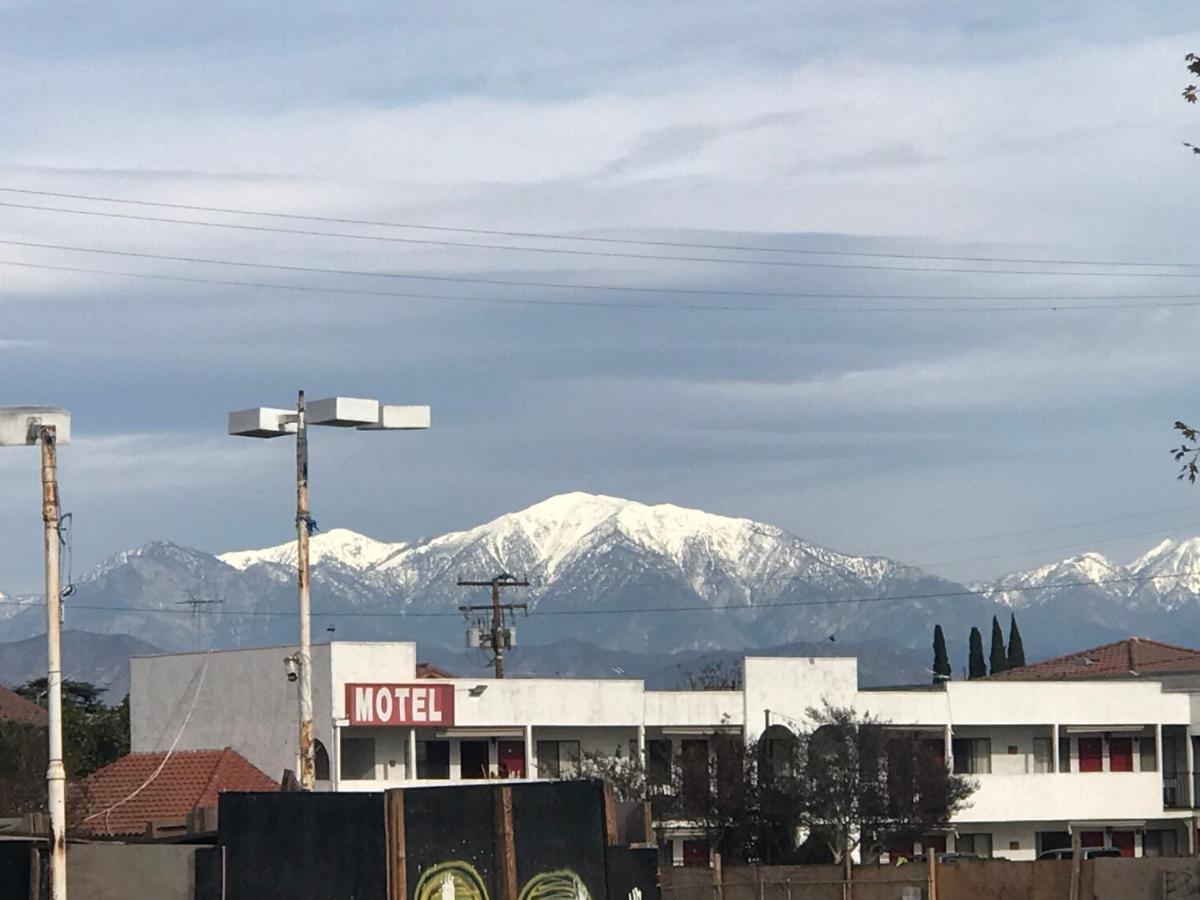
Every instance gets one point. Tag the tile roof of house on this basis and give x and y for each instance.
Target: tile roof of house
(15, 708)
(189, 780)
(1132, 656)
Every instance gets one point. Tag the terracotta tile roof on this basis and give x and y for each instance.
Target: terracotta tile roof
(191, 779)
(429, 670)
(15, 708)
(1132, 656)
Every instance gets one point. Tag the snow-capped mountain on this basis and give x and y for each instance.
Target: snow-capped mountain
(628, 576)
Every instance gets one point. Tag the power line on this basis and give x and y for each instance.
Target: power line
(542, 235)
(608, 304)
(591, 253)
(559, 285)
(983, 593)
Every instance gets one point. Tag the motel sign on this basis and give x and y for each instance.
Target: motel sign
(428, 705)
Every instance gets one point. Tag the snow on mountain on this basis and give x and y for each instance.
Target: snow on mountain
(339, 545)
(1041, 585)
(1169, 574)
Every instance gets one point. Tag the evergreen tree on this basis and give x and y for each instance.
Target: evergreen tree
(977, 668)
(999, 658)
(941, 659)
(1016, 648)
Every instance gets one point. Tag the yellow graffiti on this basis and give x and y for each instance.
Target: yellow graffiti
(454, 880)
(561, 885)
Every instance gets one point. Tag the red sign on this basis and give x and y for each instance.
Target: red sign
(422, 705)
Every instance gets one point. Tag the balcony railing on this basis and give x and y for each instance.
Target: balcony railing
(1175, 789)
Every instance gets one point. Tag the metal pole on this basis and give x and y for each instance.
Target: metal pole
(307, 758)
(497, 628)
(56, 776)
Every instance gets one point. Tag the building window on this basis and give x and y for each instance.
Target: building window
(558, 759)
(474, 761)
(358, 759)
(433, 760)
(972, 756)
(1147, 758)
(1043, 758)
(658, 763)
(979, 844)
(321, 761)
(1156, 842)
(1052, 840)
(1064, 754)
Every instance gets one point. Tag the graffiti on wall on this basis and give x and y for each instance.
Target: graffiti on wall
(459, 880)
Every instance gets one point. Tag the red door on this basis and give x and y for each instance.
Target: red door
(511, 756)
(1120, 755)
(1123, 841)
(1091, 838)
(1091, 755)
(695, 853)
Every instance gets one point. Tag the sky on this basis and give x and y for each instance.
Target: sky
(978, 428)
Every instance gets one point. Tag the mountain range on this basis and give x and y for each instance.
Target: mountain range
(620, 576)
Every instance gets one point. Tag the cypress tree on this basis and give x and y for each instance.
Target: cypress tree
(941, 659)
(1016, 648)
(976, 668)
(999, 658)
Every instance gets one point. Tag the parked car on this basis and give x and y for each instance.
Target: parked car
(1088, 853)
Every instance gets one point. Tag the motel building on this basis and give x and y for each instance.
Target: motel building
(1110, 755)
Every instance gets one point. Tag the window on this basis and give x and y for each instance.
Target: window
(1064, 754)
(1120, 755)
(433, 760)
(1091, 754)
(658, 762)
(1163, 842)
(1052, 840)
(1043, 758)
(358, 759)
(321, 761)
(558, 759)
(972, 756)
(979, 844)
(474, 759)
(1147, 758)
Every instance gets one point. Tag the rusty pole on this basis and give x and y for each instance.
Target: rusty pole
(497, 628)
(307, 758)
(56, 776)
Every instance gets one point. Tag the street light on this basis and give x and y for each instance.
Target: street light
(338, 412)
(47, 427)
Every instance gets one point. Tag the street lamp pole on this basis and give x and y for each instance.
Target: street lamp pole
(340, 412)
(48, 427)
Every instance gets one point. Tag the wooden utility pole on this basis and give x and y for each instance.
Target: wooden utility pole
(497, 637)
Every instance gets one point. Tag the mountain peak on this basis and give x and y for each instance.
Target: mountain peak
(340, 545)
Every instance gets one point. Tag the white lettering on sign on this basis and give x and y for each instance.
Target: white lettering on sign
(400, 704)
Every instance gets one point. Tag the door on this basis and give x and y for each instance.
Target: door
(473, 757)
(1091, 755)
(511, 756)
(1120, 755)
(934, 843)
(695, 853)
(1091, 838)
(1123, 841)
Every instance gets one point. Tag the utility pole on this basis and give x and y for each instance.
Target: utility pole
(56, 775)
(308, 764)
(498, 637)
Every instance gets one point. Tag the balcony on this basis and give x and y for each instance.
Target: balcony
(1175, 789)
(1052, 796)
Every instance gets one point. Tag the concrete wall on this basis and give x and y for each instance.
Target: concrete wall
(788, 688)
(130, 872)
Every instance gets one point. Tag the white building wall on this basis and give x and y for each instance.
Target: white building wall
(788, 687)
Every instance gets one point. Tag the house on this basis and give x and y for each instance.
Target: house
(15, 708)
(1109, 759)
(1134, 657)
(158, 791)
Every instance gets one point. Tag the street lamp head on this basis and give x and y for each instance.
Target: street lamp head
(262, 422)
(400, 418)
(20, 425)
